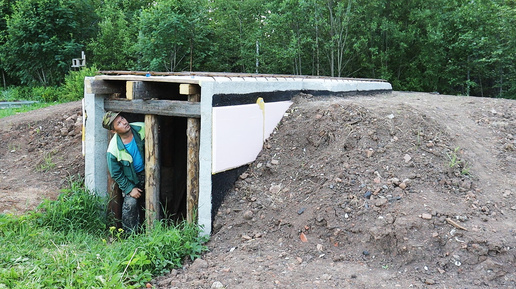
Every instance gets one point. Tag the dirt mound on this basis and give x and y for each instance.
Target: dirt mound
(403, 190)
(407, 190)
(41, 150)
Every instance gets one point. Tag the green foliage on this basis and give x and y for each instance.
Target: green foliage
(162, 43)
(112, 48)
(40, 250)
(71, 90)
(73, 87)
(289, 44)
(25, 108)
(45, 93)
(47, 163)
(456, 163)
(36, 93)
(75, 209)
(42, 37)
(16, 93)
(237, 27)
(171, 35)
(448, 46)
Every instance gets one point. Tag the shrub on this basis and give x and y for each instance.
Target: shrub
(71, 90)
(73, 86)
(16, 93)
(45, 94)
(36, 93)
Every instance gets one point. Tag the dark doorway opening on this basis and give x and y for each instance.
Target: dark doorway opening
(173, 148)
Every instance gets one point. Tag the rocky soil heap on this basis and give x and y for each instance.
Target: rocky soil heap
(368, 192)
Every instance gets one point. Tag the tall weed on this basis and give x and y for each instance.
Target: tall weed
(75, 209)
(45, 93)
(16, 93)
(71, 89)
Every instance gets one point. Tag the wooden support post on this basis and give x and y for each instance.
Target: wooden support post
(115, 201)
(115, 196)
(192, 165)
(152, 171)
(131, 87)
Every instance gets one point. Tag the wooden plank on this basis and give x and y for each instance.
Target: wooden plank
(156, 107)
(106, 87)
(152, 171)
(192, 164)
(189, 89)
(170, 79)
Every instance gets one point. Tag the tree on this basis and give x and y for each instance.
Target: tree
(5, 11)
(43, 36)
(287, 37)
(169, 33)
(236, 33)
(112, 48)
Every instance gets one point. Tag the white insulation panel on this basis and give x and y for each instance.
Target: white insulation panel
(239, 132)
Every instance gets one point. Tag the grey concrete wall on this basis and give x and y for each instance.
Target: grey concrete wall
(95, 142)
(205, 158)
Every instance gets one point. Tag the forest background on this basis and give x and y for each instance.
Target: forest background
(464, 47)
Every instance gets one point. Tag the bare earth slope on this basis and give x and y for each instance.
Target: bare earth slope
(40, 151)
(403, 190)
(406, 190)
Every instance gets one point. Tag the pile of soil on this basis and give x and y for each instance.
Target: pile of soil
(406, 190)
(401, 190)
(41, 153)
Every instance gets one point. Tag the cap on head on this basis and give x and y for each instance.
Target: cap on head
(108, 119)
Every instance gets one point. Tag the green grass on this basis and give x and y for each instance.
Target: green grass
(71, 89)
(68, 243)
(25, 108)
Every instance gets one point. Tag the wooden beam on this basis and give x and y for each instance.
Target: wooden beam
(115, 201)
(106, 87)
(192, 164)
(189, 89)
(152, 171)
(156, 107)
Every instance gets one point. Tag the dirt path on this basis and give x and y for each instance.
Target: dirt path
(405, 190)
